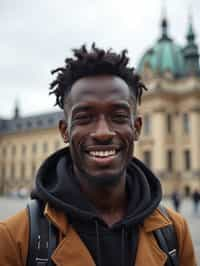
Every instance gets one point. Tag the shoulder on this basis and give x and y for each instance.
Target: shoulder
(179, 223)
(186, 248)
(14, 233)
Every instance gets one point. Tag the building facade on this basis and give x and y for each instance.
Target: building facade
(170, 141)
(24, 143)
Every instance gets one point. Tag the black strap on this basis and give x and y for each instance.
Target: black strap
(167, 240)
(42, 236)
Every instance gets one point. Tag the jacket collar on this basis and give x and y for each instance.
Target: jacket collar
(71, 250)
(156, 221)
(58, 218)
(153, 222)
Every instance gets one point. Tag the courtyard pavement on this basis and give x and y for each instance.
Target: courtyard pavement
(9, 206)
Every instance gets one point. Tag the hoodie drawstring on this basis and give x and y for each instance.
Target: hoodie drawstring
(98, 244)
(123, 246)
(123, 236)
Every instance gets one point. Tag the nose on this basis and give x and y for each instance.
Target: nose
(103, 132)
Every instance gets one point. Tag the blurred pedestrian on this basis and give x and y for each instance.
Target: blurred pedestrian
(196, 200)
(176, 199)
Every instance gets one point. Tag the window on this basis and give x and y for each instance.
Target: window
(170, 160)
(3, 171)
(187, 160)
(50, 120)
(22, 170)
(57, 144)
(12, 170)
(186, 123)
(45, 147)
(39, 122)
(29, 124)
(34, 148)
(147, 158)
(18, 126)
(33, 169)
(169, 123)
(23, 149)
(13, 150)
(147, 125)
(4, 151)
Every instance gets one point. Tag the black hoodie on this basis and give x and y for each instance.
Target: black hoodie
(109, 246)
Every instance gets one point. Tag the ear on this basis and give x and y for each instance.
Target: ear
(137, 127)
(63, 130)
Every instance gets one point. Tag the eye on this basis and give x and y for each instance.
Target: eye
(120, 117)
(82, 118)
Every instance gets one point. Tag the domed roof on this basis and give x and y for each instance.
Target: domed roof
(165, 55)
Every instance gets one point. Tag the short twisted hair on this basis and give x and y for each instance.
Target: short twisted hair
(94, 62)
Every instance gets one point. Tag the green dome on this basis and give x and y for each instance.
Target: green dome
(165, 55)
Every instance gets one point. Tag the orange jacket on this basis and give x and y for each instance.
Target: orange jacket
(71, 251)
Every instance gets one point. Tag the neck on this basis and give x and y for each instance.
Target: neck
(110, 202)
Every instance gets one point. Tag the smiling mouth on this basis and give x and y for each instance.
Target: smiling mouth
(103, 154)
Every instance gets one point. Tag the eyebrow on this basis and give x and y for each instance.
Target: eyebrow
(85, 107)
(81, 108)
(123, 105)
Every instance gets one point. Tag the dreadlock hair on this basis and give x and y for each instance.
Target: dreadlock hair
(91, 63)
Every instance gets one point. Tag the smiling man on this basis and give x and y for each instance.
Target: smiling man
(103, 202)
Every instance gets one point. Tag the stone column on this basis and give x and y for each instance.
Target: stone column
(178, 132)
(195, 139)
(159, 136)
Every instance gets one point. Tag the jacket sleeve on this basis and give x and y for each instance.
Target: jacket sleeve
(14, 234)
(186, 248)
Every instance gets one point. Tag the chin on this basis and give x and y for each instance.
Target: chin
(104, 180)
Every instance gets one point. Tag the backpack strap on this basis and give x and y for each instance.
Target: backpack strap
(42, 236)
(167, 240)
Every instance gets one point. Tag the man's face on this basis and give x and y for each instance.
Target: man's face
(100, 128)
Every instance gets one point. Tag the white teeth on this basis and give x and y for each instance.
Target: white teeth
(102, 153)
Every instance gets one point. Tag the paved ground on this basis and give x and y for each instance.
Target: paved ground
(10, 206)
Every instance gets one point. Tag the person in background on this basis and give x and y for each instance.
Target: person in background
(176, 199)
(196, 200)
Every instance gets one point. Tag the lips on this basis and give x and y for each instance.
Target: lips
(103, 155)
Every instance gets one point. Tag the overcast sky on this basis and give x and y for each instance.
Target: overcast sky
(37, 35)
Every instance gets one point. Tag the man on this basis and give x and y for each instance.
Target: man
(102, 201)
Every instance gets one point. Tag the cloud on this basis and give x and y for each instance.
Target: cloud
(36, 36)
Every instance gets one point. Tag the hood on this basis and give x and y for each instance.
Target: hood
(56, 184)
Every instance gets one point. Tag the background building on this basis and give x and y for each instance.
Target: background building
(170, 142)
(24, 143)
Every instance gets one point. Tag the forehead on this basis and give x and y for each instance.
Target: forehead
(100, 89)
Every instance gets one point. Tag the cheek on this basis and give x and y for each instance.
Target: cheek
(77, 136)
(126, 134)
